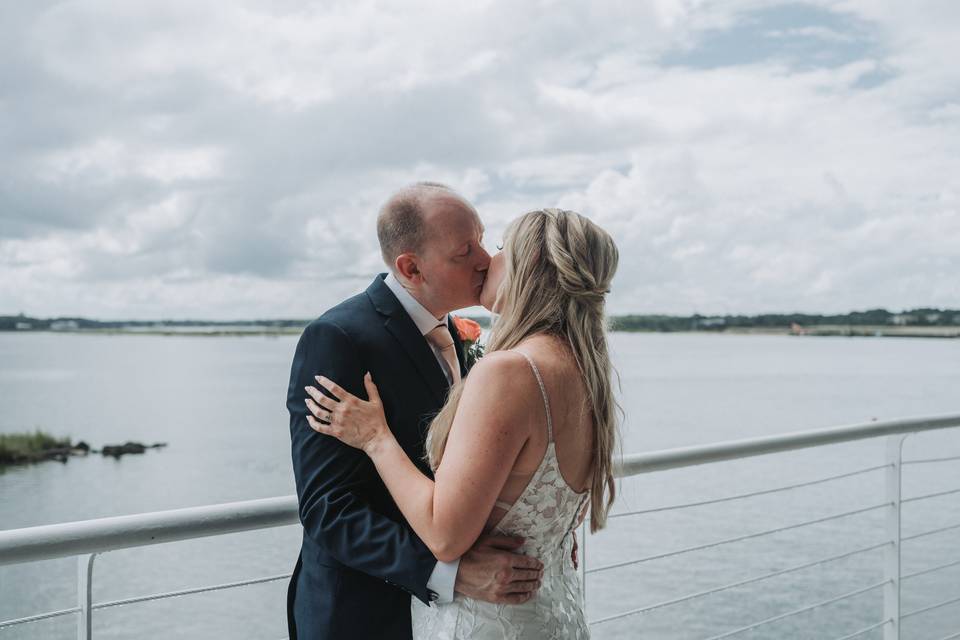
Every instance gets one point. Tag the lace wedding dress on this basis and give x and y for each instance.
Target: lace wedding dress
(545, 514)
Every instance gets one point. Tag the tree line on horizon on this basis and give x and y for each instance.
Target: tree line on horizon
(925, 316)
(920, 317)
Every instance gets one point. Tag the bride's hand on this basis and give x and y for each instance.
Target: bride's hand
(358, 423)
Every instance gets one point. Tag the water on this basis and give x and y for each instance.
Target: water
(219, 402)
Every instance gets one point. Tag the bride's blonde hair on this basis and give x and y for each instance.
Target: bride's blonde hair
(558, 268)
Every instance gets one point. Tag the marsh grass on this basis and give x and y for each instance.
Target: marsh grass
(16, 448)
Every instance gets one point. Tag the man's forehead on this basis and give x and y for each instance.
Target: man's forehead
(453, 211)
(446, 200)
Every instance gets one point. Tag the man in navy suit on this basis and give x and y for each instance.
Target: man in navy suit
(359, 561)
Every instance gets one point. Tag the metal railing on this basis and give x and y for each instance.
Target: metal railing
(895, 431)
(87, 539)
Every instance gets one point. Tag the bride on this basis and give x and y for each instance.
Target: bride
(524, 443)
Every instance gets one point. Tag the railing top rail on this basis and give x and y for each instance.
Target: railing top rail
(121, 532)
(701, 454)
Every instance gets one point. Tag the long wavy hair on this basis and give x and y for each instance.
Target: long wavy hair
(558, 268)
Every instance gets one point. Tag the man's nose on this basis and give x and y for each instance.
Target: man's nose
(483, 260)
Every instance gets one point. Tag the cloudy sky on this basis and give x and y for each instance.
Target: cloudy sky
(175, 159)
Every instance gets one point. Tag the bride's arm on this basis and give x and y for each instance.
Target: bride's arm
(491, 425)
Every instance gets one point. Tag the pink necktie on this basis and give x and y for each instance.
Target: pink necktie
(440, 337)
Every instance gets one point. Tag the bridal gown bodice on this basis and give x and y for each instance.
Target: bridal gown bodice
(545, 514)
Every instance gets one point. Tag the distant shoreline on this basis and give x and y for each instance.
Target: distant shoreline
(914, 323)
(848, 331)
(855, 331)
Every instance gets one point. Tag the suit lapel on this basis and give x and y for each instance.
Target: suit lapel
(402, 328)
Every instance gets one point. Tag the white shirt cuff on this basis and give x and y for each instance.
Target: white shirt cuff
(443, 579)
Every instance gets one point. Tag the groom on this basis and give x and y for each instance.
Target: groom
(359, 560)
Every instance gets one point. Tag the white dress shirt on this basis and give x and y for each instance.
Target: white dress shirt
(444, 576)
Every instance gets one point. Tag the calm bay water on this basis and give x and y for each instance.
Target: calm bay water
(219, 403)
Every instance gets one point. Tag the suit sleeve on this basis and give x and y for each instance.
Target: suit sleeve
(332, 477)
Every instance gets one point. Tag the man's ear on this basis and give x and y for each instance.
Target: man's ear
(407, 266)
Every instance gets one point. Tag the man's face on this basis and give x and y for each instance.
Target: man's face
(453, 261)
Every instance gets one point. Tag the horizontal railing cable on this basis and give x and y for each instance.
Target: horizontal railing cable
(38, 617)
(952, 636)
(875, 625)
(184, 592)
(931, 532)
(752, 494)
(739, 583)
(930, 607)
(930, 570)
(923, 460)
(801, 610)
(659, 556)
(930, 495)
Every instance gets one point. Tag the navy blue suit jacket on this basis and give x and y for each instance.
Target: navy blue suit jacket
(359, 560)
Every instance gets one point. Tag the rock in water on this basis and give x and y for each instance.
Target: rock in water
(117, 450)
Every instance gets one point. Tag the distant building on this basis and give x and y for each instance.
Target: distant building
(712, 322)
(64, 325)
(933, 318)
(23, 326)
(903, 319)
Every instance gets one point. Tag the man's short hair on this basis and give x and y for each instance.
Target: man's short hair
(400, 226)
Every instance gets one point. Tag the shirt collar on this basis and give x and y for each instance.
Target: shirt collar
(418, 313)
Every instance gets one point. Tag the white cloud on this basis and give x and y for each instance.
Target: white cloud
(110, 159)
(209, 160)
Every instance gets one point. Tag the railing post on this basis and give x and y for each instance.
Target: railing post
(891, 554)
(85, 596)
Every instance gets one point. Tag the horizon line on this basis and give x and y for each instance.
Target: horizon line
(486, 314)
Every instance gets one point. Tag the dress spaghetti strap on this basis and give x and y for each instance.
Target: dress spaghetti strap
(546, 404)
(543, 392)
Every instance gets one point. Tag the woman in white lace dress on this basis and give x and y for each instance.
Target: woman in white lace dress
(524, 445)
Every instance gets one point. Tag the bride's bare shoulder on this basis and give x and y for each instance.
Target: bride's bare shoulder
(498, 363)
(497, 395)
(504, 375)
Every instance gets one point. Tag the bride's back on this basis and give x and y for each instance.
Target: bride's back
(570, 418)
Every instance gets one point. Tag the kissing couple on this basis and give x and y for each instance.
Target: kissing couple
(464, 491)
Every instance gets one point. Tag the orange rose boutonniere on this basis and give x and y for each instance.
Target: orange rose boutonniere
(469, 332)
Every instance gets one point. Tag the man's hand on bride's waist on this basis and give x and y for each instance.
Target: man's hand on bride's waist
(493, 572)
